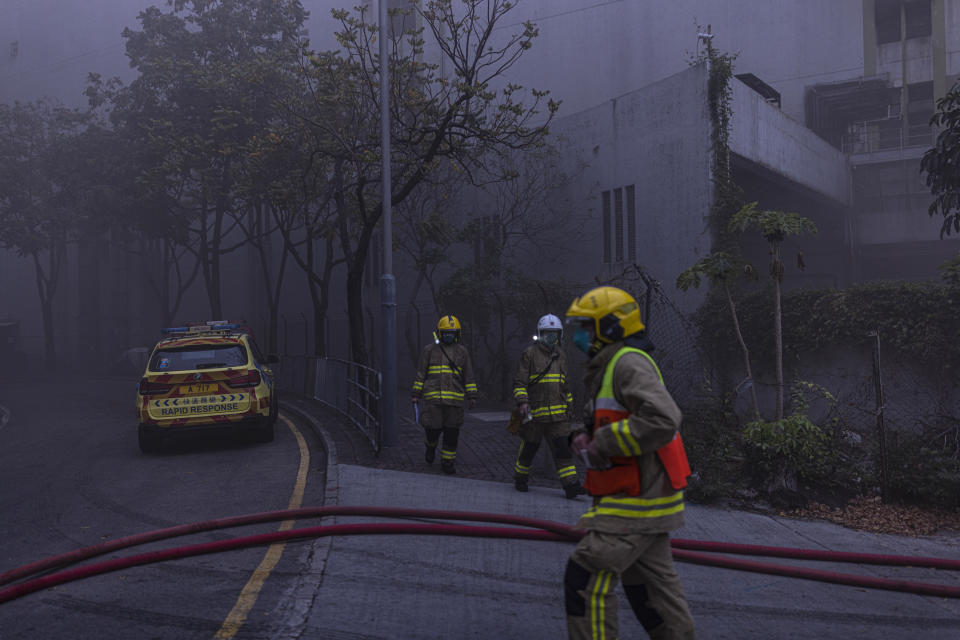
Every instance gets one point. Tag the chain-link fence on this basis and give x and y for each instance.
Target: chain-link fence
(683, 365)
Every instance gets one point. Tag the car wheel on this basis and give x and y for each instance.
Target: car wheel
(274, 408)
(148, 438)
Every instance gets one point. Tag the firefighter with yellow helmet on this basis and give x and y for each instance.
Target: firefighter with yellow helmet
(637, 469)
(542, 394)
(443, 381)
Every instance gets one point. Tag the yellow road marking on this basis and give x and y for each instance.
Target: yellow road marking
(248, 597)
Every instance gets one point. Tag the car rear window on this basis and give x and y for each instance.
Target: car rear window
(208, 356)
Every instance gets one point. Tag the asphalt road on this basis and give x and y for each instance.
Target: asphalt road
(72, 475)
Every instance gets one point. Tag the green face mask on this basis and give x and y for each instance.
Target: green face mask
(550, 338)
(581, 338)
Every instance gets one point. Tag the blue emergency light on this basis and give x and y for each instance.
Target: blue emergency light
(206, 327)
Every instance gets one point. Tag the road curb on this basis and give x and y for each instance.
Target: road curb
(302, 596)
(332, 483)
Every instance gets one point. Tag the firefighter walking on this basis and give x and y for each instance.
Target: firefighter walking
(542, 394)
(636, 475)
(444, 379)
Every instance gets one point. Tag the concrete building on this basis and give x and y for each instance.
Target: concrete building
(863, 75)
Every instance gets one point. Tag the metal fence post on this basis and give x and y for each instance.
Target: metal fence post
(881, 431)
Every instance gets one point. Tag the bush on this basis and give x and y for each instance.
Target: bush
(711, 436)
(921, 471)
(794, 444)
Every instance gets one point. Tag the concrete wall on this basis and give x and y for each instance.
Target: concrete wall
(657, 138)
(765, 135)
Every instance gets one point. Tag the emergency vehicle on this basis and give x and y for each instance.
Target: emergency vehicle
(206, 376)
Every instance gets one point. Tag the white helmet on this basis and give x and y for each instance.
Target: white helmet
(549, 322)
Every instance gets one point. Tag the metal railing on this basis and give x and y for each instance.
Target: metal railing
(885, 135)
(354, 391)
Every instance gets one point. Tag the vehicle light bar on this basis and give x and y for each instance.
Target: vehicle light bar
(206, 327)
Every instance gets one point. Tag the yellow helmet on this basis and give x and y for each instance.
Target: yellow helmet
(613, 312)
(448, 323)
(448, 326)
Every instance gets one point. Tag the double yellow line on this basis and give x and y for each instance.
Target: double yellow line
(248, 597)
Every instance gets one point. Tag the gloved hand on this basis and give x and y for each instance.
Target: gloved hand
(471, 403)
(585, 448)
(524, 408)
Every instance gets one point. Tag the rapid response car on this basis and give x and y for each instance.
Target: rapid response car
(206, 376)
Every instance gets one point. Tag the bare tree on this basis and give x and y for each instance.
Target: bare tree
(462, 118)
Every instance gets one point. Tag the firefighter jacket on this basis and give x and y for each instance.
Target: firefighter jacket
(444, 375)
(632, 416)
(541, 381)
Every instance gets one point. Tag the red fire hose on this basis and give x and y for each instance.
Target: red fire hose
(537, 530)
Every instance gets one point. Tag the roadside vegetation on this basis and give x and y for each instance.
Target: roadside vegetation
(797, 410)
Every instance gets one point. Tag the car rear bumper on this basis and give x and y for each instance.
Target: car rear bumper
(248, 422)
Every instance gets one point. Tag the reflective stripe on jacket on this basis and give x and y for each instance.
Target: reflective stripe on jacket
(444, 379)
(634, 418)
(548, 394)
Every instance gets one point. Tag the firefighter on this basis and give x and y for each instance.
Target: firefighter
(542, 393)
(637, 469)
(444, 378)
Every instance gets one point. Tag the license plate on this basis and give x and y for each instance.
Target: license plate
(193, 389)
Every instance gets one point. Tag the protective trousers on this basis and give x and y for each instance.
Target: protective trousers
(645, 565)
(532, 433)
(442, 419)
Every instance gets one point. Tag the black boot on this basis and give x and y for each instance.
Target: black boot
(573, 490)
(447, 467)
(520, 483)
(430, 455)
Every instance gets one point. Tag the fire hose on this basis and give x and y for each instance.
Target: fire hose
(33, 579)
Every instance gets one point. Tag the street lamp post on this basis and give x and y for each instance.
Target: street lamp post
(388, 285)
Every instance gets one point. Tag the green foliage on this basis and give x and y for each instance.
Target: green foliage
(950, 271)
(775, 226)
(795, 443)
(915, 319)
(727, 197)
(922, 468)
(714, 446)
(942, 162)
(718, 267)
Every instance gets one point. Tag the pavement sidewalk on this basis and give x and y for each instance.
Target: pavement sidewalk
(374, 587)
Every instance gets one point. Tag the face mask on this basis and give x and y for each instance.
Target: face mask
(447, 338)
(549, 338)
(581, 338)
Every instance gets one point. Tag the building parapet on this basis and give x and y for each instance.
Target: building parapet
(763, 134)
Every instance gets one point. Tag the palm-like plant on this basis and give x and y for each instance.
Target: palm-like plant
(775, 227)
(722, 269)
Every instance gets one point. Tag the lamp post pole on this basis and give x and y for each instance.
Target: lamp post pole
(388, 285)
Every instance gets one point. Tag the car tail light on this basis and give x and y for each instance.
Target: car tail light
(247, 379)
(148, 388)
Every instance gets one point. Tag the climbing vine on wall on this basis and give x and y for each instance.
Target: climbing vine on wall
(728, 197)
(916, 320)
